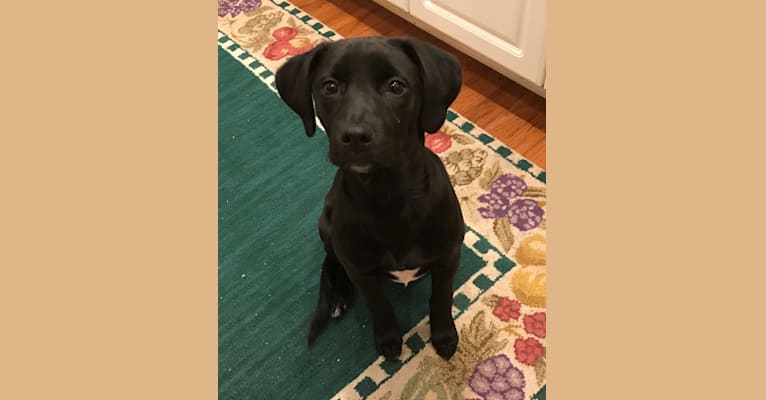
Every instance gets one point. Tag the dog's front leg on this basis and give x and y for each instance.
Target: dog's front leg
(443, 332)
(388, 339)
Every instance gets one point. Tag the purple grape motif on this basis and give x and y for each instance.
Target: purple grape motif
(235, 7)
(496, 379)
(497, 205)
(508, 186)
(525, 214)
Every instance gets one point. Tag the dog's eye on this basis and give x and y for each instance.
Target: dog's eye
(330, 87)
(396, 87)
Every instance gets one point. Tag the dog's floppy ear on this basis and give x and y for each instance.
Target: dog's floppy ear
(441, 76)
(293, 81)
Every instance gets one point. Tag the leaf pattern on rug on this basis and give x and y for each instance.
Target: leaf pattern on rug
(464, 165)
(504, 232)
(489, 175)
(385, 396)
(540, 367)
(252, 29)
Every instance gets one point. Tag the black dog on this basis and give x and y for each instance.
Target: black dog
(391, 207)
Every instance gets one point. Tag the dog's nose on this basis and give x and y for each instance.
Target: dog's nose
(355, 136)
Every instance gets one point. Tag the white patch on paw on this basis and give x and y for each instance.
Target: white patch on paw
(335, 312)
(405, 276)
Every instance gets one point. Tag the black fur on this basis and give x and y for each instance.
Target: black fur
(391, 205)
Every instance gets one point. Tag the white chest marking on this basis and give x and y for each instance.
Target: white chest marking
(405, 276)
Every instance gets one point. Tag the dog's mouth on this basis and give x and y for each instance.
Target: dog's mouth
(360, 168)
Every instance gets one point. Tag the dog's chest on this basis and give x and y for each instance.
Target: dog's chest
(405, 276)
(406, 268)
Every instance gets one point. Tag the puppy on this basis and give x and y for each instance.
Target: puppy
(391, 208)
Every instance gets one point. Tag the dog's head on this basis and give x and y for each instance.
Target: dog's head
(375, 96)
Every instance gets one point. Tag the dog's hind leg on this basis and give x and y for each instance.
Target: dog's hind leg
(335, 294)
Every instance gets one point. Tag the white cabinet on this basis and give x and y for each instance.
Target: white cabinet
(507, 35)
(403, 5)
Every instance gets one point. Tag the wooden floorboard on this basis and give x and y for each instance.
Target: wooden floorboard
(500, 106)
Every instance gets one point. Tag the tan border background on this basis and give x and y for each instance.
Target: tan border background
(655, 156)
(109, 200)
(108, 217)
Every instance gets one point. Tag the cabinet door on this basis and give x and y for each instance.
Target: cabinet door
(401, 4)
(508, 32)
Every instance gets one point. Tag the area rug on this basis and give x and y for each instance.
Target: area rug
(272, 180)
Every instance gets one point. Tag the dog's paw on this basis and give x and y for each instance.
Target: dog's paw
(389, 344)
(338, 310)
(445, 341)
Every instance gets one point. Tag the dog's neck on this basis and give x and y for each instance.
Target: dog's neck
(403, 183)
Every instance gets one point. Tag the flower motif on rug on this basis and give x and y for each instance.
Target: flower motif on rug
(290, 41)
(441, 141)
(534, 324)
(507, 309)
(235, 7)
(527, 348)
(438, 142)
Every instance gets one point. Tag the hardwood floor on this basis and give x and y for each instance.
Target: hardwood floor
(503, 108)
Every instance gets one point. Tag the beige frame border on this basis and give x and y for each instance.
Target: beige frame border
(108, 164)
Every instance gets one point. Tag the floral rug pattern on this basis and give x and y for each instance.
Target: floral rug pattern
(502, 348)
(265, 30)
(501, 355)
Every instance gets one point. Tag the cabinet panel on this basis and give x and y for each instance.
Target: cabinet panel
(510, 32)
(404, 5)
